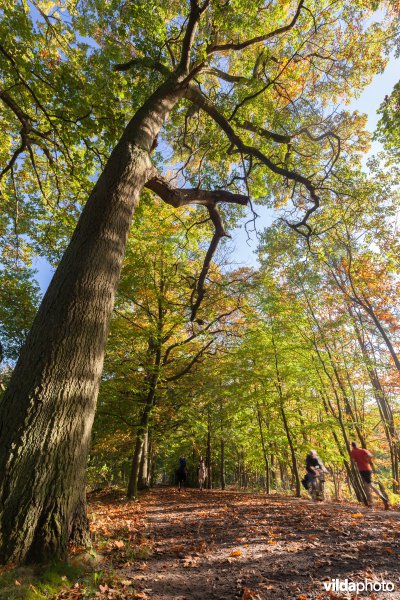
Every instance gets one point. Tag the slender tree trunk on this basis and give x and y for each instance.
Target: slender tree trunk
(208, 452)
(359, 299)
(152, 377)
(368, 307)
(150, 468)
(272, 471)
(383, 404)
(264, 449)
(347, 405)
(292, 452)
(133, 477)
(286, 424)
(143, 482)
(46, 414)
(222, 472)
(352, 472)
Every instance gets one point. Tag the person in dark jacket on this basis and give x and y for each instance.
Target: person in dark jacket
(181, 473)
(315, 469)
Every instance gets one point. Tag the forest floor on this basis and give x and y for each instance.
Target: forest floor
(216, 545)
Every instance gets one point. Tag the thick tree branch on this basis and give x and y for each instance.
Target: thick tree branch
(181, 197)
(194, 94)
(24, 119)
(199, 290)
(256, 40)
(227, 76)
(209, 198)
(286, 139)
(143, 62)
(195, 13)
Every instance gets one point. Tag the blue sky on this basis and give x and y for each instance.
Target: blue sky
(241, 248)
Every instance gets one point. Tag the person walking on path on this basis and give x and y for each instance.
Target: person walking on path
(181, 473)
(363, 459)
(201, 473)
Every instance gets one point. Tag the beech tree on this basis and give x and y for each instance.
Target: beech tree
(241, 92)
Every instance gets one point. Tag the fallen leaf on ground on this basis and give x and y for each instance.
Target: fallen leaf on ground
(249, 594)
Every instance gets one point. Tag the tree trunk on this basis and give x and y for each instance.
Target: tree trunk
(133, 478)
(140, 437)
(264, 449)
(143, 480)
(286, 424)
(272, 471)
(384, 406)
(352, 473)
(150, 464)
(222, 472)
(46, 414)
(208, 453)
(368, 307)
(79, 535)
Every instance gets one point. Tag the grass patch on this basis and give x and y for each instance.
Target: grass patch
(38, 583)
(86, 572)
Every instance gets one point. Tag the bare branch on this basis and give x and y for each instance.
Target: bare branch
(190, 364)
(199, 290)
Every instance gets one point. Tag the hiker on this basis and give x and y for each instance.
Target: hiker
(181, 472)
(314, 479)
(201, 473)
(363, 459)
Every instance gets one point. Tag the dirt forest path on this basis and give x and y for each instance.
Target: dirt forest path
(216, 545)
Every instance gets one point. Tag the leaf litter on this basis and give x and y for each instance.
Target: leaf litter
(220, 545)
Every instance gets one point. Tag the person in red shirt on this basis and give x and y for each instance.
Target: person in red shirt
(363, 460)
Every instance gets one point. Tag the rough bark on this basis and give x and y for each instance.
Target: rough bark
(80, 535)
(47, 412)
